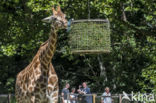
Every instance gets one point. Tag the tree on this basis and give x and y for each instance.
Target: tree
(129, 66)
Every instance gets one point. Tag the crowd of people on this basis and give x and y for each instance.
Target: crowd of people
(81, 95)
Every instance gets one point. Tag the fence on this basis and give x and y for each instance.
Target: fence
(95, 98)
(7, 98)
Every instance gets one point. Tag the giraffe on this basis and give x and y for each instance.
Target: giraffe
(38, 82)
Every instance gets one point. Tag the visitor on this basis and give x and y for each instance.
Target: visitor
(65, 94)
(80, 87)
(80, 96)
(106, 99)
(73, 97)
(85, 90)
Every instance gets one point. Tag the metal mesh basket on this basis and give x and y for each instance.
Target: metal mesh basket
(90, 36)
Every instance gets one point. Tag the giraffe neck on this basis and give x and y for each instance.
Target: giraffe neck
(48, 52)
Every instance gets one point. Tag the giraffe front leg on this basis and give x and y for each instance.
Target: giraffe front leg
(53, 87)
(32, 99)
(52, 94)
(55, 95)
(54, 98)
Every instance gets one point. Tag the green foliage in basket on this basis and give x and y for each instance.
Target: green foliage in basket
(90, 36)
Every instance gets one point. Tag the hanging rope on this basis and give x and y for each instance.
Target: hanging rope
(88, 9)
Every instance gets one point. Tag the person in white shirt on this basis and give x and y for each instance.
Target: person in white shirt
(106, 99)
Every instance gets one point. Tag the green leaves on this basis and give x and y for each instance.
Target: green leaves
(149, 72)
(132, 41)
(90, 36)
(10, 83)
(149, 17)
(39, 5)
(9, 50)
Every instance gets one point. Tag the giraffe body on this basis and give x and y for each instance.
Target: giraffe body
(38, 82)
(34, 85)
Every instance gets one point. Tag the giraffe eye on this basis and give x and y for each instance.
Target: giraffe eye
(55, 18)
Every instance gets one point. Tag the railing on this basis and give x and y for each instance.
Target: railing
(7, 98)
(95, 98)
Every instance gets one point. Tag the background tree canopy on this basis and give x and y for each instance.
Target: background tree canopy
(131, 65)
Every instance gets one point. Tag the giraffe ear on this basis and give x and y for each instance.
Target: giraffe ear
(54, 11)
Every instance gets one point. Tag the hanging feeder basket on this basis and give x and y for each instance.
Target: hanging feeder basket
(89, 36)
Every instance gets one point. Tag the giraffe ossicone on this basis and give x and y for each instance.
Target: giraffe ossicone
(38, 82)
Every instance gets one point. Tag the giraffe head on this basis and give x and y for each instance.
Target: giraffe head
(57, 19)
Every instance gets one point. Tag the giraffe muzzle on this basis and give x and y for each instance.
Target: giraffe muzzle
(48, 19)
